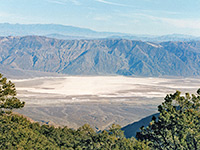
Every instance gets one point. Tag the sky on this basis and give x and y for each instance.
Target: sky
(146, 17)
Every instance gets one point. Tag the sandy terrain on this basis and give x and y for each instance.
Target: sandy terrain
(100, 100)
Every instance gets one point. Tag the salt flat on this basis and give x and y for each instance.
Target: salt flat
(75, 100)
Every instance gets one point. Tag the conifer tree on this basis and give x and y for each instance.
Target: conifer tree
(8, 99)
(178, 126)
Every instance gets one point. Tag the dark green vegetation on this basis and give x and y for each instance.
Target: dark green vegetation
(18, 133)
(178, 125)
(8, 101)
(100, 57)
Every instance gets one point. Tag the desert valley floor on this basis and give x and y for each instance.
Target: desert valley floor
(98, 100)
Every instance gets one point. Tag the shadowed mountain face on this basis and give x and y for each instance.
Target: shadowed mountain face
(132, 129)
(101, 57)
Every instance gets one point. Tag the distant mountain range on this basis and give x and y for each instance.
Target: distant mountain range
(50, 30)
(100, 56)
(164, 38)
(71, 32)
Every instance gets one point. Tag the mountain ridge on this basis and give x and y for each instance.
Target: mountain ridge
(101, 56)
(7, 29)
(68, 32)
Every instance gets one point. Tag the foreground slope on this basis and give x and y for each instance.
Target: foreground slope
(101, 57)
(17, 132)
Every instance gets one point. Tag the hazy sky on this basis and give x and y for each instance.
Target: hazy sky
(155, 17)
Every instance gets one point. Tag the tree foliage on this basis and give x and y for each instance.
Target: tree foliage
(8, 99)
(16, 132)
(178, 126)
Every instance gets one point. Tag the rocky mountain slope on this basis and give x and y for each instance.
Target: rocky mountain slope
(101, 56)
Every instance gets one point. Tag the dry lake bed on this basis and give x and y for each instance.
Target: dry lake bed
(98, 100)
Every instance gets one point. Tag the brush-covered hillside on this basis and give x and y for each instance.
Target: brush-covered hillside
(16, 132)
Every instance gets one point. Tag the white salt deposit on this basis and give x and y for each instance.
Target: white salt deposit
(102, 86)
